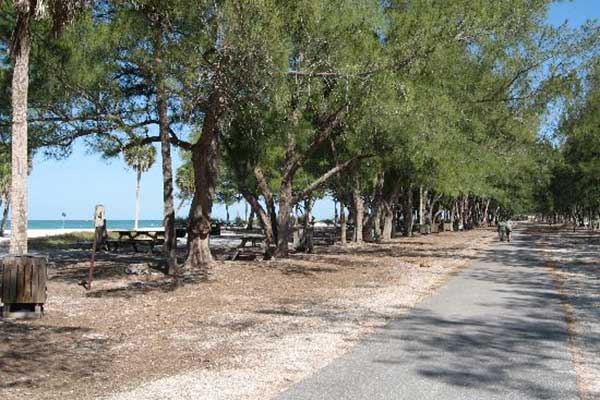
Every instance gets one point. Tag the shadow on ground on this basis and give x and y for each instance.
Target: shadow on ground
(493, 353)
(30, 354)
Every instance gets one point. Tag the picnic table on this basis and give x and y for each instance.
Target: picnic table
(133, 238)
(240, 253)
(253, 239)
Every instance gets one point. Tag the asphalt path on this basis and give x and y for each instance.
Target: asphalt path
(496, 330)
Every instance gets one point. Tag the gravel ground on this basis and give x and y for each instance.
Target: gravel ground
(574, 258)
(324, 332)
(254, 330)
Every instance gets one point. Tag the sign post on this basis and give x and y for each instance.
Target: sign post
(99, 232)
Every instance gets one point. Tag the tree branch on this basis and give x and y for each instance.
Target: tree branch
(327, 126)
(325, 177)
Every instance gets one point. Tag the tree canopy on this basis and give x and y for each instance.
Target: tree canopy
(375, 104)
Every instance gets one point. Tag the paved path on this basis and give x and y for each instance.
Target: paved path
(495, 331)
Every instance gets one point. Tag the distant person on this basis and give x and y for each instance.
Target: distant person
(508, 227)
(501, 230)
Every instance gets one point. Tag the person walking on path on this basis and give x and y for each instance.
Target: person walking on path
(508, 228)
(501, 230)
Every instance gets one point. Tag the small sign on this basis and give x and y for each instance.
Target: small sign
(99, 216)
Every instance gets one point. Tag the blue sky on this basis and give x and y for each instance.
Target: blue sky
(76, 184)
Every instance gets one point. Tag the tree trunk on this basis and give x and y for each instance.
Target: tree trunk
(264, 220)
(205, 162)
(484, 217)
(264, 189)
(170, 246)
(343, 227)
(408, 209)
(137, 198)
(387, 210)
(377, 230)
(250, 219)
(20, 164)
(464, 206)
(422, 195)
(453, 213)
(359, 210)
(283, 219)
(388, 221)
(204, 159)
(306, 240)
(372, 226)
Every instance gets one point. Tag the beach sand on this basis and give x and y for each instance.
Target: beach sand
(37, 233)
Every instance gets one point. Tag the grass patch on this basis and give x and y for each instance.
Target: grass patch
(62, 241)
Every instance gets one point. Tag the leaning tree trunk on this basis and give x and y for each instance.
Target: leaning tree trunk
(137, 197)
(20, 165)
(256, 209)
(264, 220)
(264, 189)
(250, 220)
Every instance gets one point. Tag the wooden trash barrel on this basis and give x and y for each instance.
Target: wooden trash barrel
(23, 289)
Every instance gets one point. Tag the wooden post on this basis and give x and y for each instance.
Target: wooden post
(421, 206)
(99, 235)
(23, 289)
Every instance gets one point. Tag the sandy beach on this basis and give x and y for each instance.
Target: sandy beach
(37, 233)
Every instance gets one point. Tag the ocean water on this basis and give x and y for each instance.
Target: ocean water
(89, 224)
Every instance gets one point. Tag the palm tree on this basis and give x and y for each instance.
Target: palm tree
(60, 12)
(140, 159)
